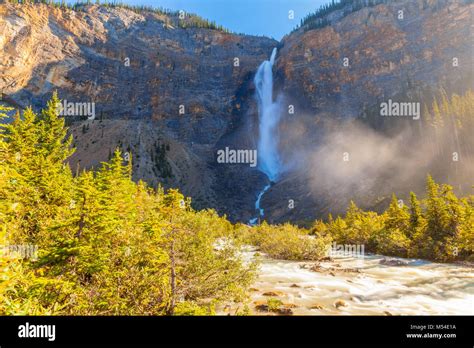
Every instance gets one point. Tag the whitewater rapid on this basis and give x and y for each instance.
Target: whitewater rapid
(365, 287)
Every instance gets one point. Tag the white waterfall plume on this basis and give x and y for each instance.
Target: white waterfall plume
(269, 116)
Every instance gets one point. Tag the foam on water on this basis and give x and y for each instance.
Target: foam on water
(416, 288)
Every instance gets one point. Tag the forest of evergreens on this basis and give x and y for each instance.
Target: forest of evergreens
(105, 245)
(318, 19)
(182, 20)
(440, 227)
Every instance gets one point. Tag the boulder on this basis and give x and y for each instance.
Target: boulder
(393, 262)
(340, 303)
(273, 293)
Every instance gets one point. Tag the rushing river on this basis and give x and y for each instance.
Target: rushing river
(365, 287)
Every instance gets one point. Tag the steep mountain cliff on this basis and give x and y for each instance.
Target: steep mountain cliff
(174, 91)
(405, 51)
(164, 89)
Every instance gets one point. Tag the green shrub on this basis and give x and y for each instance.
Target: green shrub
(288, 242)
(274, 304)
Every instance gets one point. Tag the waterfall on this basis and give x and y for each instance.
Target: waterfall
(268, 115)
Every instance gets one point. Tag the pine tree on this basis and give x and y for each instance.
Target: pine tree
(353, 212)
(44, 181)
(437, 213)
(438, 219)
(416, 217)
(397, 216)
(456, 212)
(391, 239)
(53, 141)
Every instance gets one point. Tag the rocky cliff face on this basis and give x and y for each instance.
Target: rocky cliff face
(401, 50)
(175, 94)
(168, 94)
(374, 53)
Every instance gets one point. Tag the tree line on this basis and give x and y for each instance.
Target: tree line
(439, 227)
(188, 21)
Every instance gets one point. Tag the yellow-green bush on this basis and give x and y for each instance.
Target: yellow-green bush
(287, 242)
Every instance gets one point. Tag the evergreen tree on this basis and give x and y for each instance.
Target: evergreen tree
(397, 216)
(416, 216)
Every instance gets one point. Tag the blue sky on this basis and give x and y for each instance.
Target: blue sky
(257, 17)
